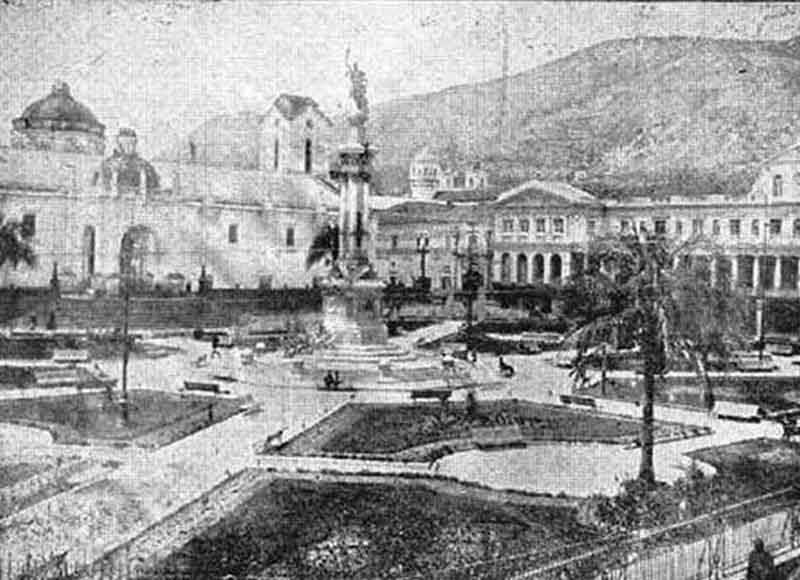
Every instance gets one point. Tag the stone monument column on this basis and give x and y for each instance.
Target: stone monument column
(352, 293)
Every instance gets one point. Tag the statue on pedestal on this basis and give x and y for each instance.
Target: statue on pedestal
(358, 92)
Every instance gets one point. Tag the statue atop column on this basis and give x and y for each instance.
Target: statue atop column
(358, 92)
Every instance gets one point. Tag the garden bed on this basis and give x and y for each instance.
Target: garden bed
(155, 418)
(303, 529)
(423, 431)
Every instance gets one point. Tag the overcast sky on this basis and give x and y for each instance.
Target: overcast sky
(161, 67)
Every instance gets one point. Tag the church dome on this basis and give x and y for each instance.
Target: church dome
(59, 111)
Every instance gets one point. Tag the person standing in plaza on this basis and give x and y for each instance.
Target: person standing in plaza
(760, 564)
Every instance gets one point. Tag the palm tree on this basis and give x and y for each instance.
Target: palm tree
(325, 246)
(643, 291)
(15, 243)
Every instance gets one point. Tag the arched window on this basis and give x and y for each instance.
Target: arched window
(505, 268)
(308, 156)
(538, 267)
(88, 250)
(522, 269)
(555, 268)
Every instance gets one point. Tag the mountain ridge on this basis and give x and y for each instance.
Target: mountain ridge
(652, 113)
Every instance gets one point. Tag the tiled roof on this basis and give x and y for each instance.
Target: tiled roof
(428, 212)
(225, 185)
(292, 106)
(466, 195)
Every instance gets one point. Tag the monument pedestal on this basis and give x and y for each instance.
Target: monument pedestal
(352, 313)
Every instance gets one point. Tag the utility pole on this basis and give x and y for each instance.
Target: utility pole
(762, 291)
(125, 347)
(504, 87)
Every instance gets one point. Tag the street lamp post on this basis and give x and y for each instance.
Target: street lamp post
(125, 345)
(423, 249)
(472, 279)
(761, 302)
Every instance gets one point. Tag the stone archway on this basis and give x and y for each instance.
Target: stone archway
(522, 269)
(538, 268)
(555, 268)
(138, 255)
(505, 268)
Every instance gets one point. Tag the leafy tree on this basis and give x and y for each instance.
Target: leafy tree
(645, 292)
(15, 243)
(707, 319)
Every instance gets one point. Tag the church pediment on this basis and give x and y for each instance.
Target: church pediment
(546, 194)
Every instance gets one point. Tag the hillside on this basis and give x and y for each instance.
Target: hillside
(645, 115)
(624, 111)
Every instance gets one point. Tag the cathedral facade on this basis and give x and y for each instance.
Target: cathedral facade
(96, 217)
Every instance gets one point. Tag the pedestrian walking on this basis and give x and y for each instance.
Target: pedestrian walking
(760, 564)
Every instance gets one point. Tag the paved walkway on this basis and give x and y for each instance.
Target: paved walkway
(89, 520)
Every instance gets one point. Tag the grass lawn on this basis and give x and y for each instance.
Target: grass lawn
(303, 529)
(155, 417)
(389, 429)
(12, 472)
(769, 463)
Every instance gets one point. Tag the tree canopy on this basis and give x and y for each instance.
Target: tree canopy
(664, 298)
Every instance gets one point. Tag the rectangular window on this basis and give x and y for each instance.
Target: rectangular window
(29, 225)
(445, 282)
(777, 186)
(558, 225)
(736, 228)
(541, 225)
(715, 227)
(642, 226)
(591, 227)
(697, 226)
(775, 226)
(624, 226)
(508, 225)
(233, 233)
(678, 228)
(524, 225)
(394, 242)
(660, 227)
(290, 237)
(754, 227)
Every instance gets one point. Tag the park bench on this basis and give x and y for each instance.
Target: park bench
(69, 355)
(738, 411)
(588, 402)
(441, 395)
(202, 387)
